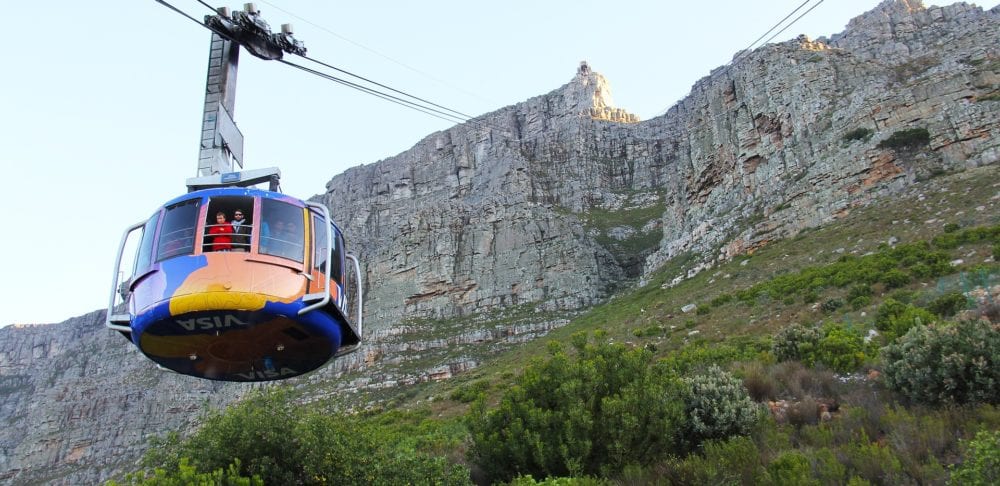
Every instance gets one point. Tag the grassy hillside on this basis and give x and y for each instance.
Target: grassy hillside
(913, 250)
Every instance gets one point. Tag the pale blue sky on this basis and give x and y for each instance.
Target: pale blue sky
(101, 101)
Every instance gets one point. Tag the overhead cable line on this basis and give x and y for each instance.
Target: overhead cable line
(746, 51)
(443, 113)
(384, 86)
(345, 39)
(793, 22)
(775, 26)
(374, 92)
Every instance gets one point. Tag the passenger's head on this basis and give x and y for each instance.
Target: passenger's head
(220, 217)
(238, 215)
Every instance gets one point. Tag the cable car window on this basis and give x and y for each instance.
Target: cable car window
(337, 265)
(282, 234)
(177, 230)
(233, 229)
(145, 255)
(320, 252)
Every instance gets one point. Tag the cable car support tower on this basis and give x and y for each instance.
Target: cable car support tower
(221, 141)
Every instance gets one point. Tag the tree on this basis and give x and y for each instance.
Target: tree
(589, 413)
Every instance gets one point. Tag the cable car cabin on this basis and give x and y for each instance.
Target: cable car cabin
(266, 299)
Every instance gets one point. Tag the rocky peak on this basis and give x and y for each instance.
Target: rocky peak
(588, 94)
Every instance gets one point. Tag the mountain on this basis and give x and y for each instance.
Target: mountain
(496, 231)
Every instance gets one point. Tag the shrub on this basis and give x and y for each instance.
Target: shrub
(269, 437)
(862, 133)
(187, 474)
(906, 139)
(827, 467)
(790, 468)
(804, 412)
(796, 342)
(759, 384)
(649, 331)
(873, 462)
(470, 392)
(895, 278)
(841, 349)
(832, 304)
(859, 290)
(797, 381)
(733, 461)
(981, 464)
(952, 363)
(951, 227)
(590, 413)
(894, 318)
(722, 300)
(860, 302)
(584, 481)
(948, 304)
(716, 406)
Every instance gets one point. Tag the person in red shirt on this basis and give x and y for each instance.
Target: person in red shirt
(220, 233)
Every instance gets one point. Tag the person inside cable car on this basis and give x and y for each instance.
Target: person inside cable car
(220, 233)
(291, 242)
(268, 239)
(241, 232)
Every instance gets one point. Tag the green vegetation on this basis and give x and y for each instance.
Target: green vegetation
(910, 139)
(270, 438)
(982, 461)
(776, 379)
(590, 413)
(951, 363)
(862, 133)
(994, 96)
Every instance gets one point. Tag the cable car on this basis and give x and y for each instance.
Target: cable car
(276, 298)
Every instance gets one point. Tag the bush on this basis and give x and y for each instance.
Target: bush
(734, 461)
(906, 139)
(186, 474)
(831, 305)
(981, 464)
(872, 462)
(895, 278)
(862, 133)
(269, 437)
(759, 384)
(860, 302)
(585, 481)
(952, 363)
(948, 304)
(790, 468)
(841, 349)
(722, 300)
(587, 414)
(716, 406)
(894, 318)
(470, 392)
(797, 343)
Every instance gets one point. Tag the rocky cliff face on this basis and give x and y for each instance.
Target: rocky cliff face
(486, 234)
(79, 402)
(557, 200)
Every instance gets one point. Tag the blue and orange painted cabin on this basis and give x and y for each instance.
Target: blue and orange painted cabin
(275, 301)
